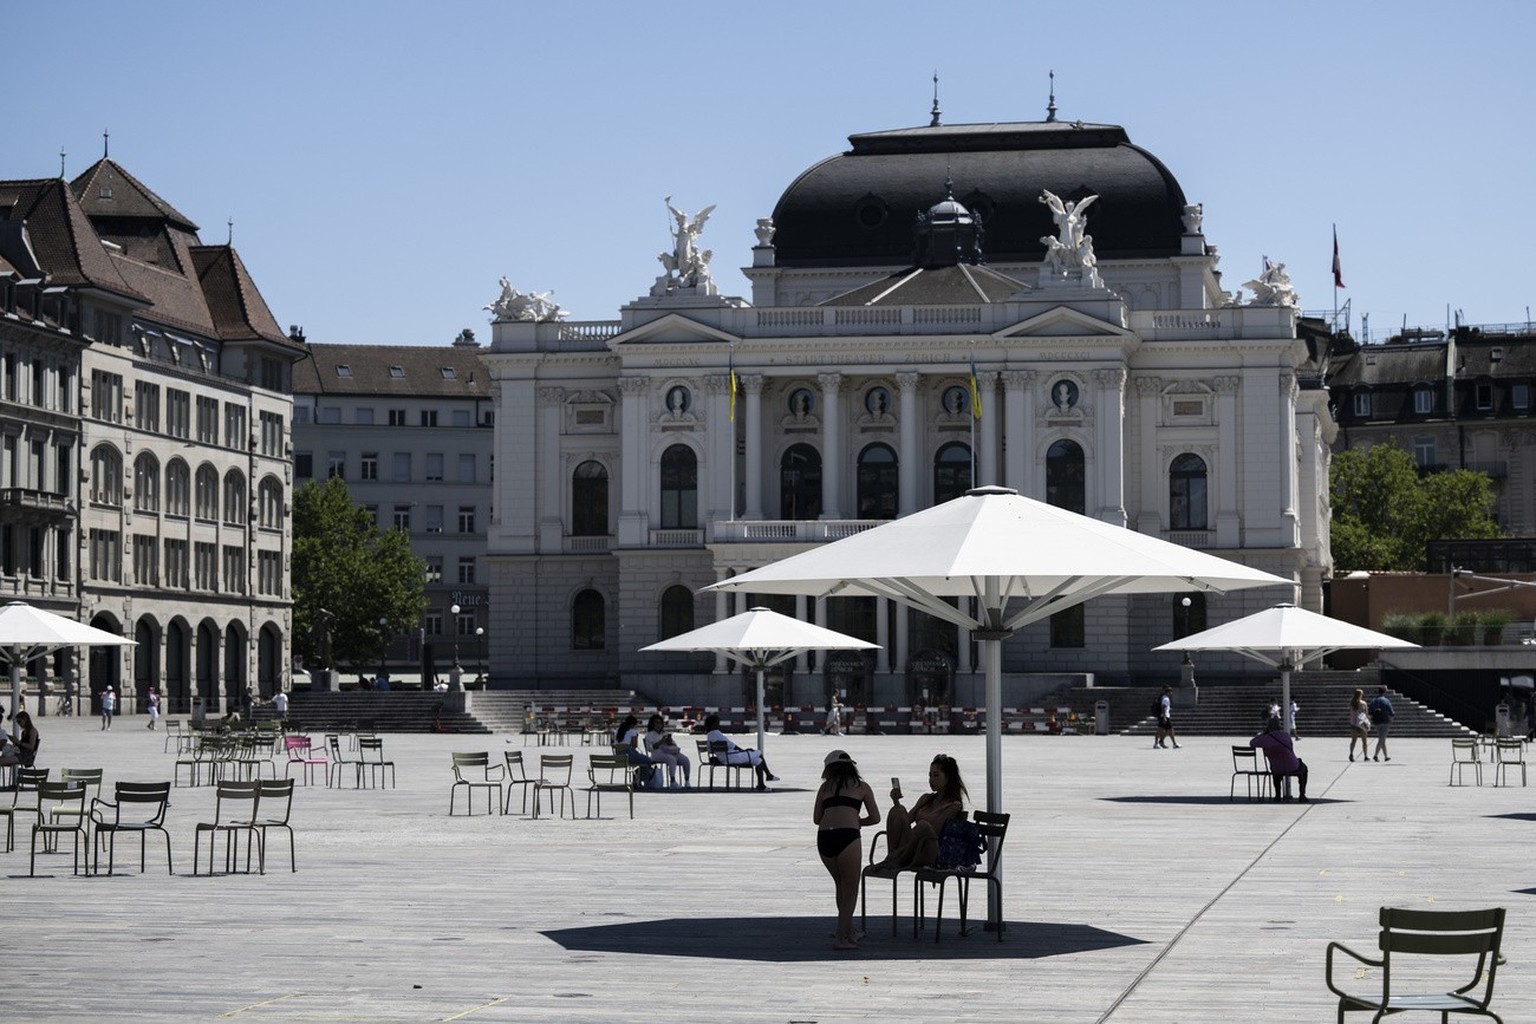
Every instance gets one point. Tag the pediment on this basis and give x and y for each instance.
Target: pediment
(672, 329)
(1065, 322)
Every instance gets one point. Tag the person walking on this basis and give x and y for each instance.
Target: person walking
(1382, 713)
(1165, 733)
(152, 703)
(836, 814)
(108, 708)
(1359, 725)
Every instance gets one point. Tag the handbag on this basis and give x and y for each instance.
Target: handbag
(1362, 720)
(960, 844)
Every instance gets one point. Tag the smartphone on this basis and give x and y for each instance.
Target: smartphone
(895, 785)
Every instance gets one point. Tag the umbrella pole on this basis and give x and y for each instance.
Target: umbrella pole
(992, 654)
(760, 709)
(15, 683)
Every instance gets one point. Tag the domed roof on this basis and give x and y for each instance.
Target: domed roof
(858, 208)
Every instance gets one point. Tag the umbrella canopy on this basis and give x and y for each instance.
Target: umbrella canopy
(27, 633)
(1285, 636)
(1022, 559)
(759, 639)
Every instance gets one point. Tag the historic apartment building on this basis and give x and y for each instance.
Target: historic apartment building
(1057, 265)
(409, 429)
(1456, 400)
(145, 416)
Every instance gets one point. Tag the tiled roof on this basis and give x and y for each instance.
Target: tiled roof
(142, 248)
(125, 196)
(238, 310)
(420, 371)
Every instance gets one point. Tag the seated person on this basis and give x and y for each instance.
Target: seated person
(659, 744)
(738, 755)
(912, 837)
(1275, 741)
(23, 747)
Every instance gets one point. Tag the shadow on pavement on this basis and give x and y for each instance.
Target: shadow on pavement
(1219, 801)
(798, 939)
(1517, 816)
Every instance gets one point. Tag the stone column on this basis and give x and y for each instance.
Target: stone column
(1149, 516)
(722, 447)
(883, 634)
(802, 660)
(910, 455)
(722, 612)
(1018, 420)
(1109, 415)
(988, 430)
(832, 457)
(552, 482)
(634, 522)
(1290, 530)
(1228, 518)
(752, 386)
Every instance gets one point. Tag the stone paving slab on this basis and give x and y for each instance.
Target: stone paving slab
(1135, 892)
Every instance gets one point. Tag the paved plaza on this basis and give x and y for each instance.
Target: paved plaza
(1136, 892)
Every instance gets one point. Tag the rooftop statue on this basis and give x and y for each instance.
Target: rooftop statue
(687, 266)
(512, 304)
(1272, 287)
(1071, 248)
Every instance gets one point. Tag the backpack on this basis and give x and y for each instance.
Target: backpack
(646, 777)
(1157, 707)
(960, 844)
(1378, 710)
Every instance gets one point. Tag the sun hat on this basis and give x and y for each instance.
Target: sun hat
(837, 755)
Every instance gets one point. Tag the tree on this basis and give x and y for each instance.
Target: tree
(1384, 512)
(347, 575)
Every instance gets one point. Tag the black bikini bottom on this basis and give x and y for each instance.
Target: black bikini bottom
(832, 841)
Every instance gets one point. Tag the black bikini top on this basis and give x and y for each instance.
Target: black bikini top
(841, 801)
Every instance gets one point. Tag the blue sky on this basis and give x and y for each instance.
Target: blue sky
(385, 163)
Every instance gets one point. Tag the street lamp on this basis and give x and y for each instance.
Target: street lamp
(454, 609)
(480, 668)
(1187, 666)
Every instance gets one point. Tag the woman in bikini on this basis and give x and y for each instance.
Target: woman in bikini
(1359, 725)
(838, 802)
(912, 837)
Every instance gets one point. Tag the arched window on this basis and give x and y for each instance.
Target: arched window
(676, 611)
(679, 488)
(951, 471)
(589, 500)
(178, 487)
(1186, 493)
(1064, 476)
(589, 624)
(270, 495)
(146, 483)
(106, 476)
(207, 492)
(800, 483)
(877, 482)
(234, 498)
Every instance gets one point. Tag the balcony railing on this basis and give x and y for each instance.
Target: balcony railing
(789, 531)
(588, 545)
(1190, 538)
(33, 500)
(677, 538)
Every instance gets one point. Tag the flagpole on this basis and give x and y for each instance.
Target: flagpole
(730, 384)
(1335, 277)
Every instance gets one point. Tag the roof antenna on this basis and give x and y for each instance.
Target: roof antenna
(934, 122)
(61, 161)
(106, 140)
(1050, 108)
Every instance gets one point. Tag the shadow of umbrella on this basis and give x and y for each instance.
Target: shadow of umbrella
(800, 940)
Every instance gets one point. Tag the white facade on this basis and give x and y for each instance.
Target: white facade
(1089, 395)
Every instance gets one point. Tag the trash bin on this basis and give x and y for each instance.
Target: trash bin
(199, 712)
(1501, 720)
(1101, 718)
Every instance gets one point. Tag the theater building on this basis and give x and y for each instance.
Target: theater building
(1027, 304)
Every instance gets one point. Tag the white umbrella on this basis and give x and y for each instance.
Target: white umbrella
(1002, 549)
(27, 633)
(759, 639)
(1285, 636)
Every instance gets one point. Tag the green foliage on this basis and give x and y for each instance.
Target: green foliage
(1462, 630)
(344, 565)
(1432, 626)
(1495, 621)
(1403, 625)
(1384, 512)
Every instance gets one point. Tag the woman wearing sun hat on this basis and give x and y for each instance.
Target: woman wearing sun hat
(843, 794)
